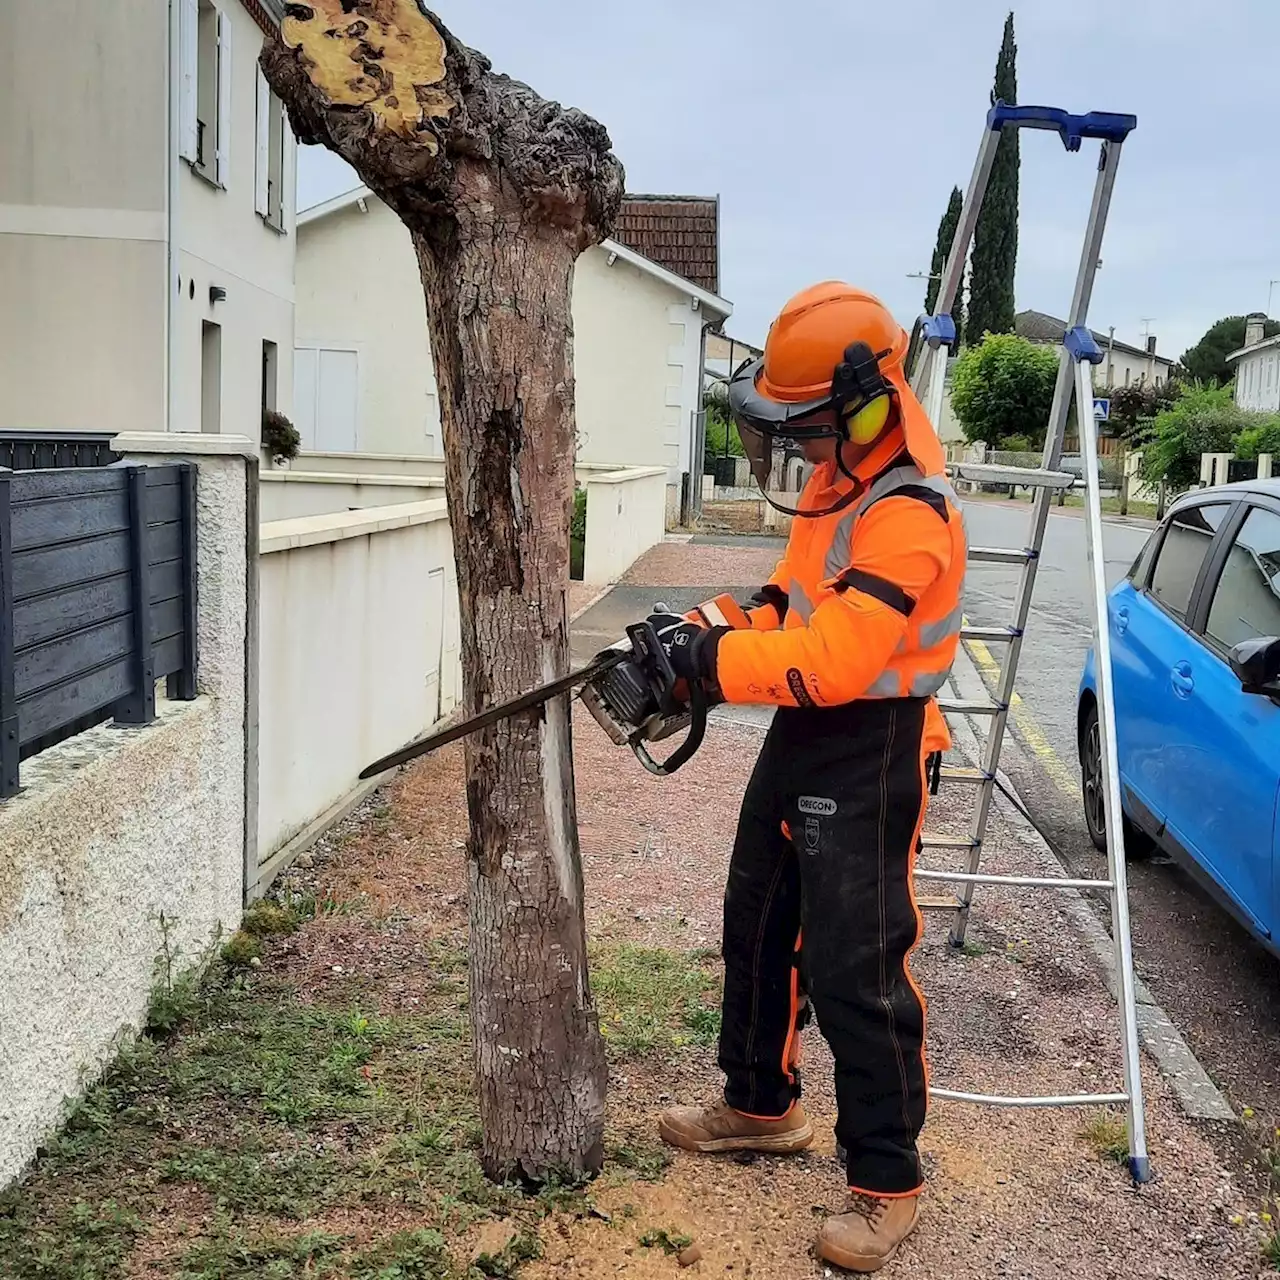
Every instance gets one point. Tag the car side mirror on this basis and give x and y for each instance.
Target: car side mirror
(1256, 664)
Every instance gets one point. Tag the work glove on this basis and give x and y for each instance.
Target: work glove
(690, 647)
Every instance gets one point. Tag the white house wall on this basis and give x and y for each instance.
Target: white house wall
(223, 242)
(635, 365)
(359, 290)
(82, 214)
(637, 344)
(1258, 381)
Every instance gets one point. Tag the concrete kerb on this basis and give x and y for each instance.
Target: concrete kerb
(1199, 1097)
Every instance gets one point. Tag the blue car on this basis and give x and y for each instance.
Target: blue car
(1195, 635)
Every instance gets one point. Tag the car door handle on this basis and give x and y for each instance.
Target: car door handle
(1183, 681)
(1122, 621)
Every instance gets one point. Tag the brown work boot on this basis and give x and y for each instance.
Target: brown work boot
(867, 1236)
(721, 1128)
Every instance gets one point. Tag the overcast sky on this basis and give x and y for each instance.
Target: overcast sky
(833, 131)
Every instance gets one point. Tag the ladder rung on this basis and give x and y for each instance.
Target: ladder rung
(1032, 477)
(1002, 1100)
(1001, 555)
(963, 773)
(991, 635)
(971, 706)
(948, 842)
(930, 903)
(1016, 882)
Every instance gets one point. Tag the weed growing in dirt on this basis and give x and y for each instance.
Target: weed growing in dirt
(1108, 1135)
(654, 1001)
(520, 1249)
(669, 1242)
(239, 1258)
(646, 1161)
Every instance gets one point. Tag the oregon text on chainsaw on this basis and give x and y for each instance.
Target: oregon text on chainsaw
(630, 689)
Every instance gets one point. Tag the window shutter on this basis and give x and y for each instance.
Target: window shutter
(262, 157)
(288, 168)
(188, 59)
(223, 172)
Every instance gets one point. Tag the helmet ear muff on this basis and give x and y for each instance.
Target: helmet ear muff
(867, 424)
(862, 392)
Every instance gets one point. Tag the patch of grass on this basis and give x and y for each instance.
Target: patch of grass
(81, 1241)
(408, 1255)
(647, 1162)
(266, 1257)
(973, 949)
(1271, 1248)
(291, 1185)
(669, 1242)
(653, 1001)
(517, 1251)
(1108, 1135)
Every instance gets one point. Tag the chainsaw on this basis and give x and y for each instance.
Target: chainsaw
(630, 689)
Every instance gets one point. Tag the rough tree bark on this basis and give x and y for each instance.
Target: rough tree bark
(501, 191)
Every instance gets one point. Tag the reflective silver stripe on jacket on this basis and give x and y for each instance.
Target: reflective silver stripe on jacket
(798, 602)
(934, 633)
(839, 553)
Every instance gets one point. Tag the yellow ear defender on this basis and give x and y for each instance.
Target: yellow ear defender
(858, 381)
(865, 425)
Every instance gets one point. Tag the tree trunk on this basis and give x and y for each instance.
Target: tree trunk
(500, 191)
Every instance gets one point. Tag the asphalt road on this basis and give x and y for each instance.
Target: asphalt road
(1215, 982)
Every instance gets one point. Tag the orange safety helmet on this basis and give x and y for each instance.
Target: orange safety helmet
(832, 367)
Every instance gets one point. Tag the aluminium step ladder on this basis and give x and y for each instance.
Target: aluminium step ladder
(933, 342)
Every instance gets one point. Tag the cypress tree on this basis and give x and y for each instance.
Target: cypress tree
(995, 242)
(946, 234)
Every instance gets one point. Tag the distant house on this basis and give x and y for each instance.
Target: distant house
(1257, 368)
(364, 380)
(1123, 365)
(146, 218)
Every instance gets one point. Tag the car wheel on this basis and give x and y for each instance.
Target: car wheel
(1094, 782)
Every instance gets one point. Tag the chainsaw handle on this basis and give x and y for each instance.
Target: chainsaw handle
(699, 704)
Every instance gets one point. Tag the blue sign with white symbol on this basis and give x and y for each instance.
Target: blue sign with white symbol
(1102, 410)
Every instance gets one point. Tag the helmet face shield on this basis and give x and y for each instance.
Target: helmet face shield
(764, 423)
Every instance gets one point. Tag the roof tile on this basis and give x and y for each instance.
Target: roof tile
(680, 233)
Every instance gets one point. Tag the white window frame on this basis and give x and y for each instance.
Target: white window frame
(274, 138)
(214, 166)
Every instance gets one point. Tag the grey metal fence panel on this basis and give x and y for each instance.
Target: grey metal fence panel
(97, 601)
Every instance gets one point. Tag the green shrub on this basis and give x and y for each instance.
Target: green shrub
(1205, 420)
(1003, 388)
(1262, 438)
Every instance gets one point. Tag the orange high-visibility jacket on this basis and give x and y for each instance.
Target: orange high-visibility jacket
(874, 591)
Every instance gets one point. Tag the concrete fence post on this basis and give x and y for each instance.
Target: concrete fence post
(227, 577)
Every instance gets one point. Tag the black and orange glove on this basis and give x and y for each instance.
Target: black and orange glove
(690, 646)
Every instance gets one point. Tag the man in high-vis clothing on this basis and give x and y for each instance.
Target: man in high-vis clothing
(850, 639)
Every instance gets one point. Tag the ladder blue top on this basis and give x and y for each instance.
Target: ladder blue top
(1108, 126)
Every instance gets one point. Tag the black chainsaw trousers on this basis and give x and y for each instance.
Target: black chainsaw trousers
(819, 911)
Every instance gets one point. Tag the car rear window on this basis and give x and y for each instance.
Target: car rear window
(1246, 605)
(1186, 542)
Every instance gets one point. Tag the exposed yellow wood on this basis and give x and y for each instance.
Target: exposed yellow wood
(384, 54)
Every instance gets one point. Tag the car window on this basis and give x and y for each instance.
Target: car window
(1138, 574)
(1246, 604)
(1182, 553)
